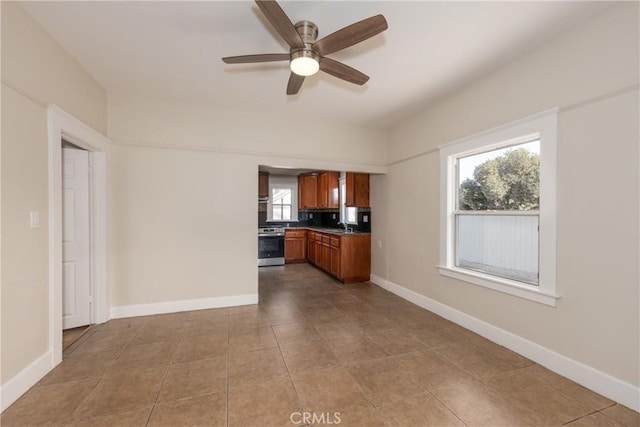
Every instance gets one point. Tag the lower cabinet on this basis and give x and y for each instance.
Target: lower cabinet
(335, 257)
(311, 247)
(295, 246)
(355, 258)
(347, 258)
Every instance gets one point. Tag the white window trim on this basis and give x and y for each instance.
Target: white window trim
(283, 182)
(543, 125)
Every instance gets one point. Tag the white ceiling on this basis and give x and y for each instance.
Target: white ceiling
(172, 50)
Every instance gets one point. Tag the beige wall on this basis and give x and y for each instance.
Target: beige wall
(184, 180)
(592, 75)
(36, 71)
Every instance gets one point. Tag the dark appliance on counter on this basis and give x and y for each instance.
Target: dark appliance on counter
(270, 246)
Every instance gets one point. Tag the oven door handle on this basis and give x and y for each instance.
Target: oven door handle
(270, 235)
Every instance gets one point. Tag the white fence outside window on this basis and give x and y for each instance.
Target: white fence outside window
(502, 245)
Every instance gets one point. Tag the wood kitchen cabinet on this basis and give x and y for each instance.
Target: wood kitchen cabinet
(314, 248)
(311, 247)
(347, 258)
(307, 191)
(263, 185)
(328, 190)
(318, 254)
(335, 257)
(326, 253)
(355, 258)
(295, 246)
(357, 190)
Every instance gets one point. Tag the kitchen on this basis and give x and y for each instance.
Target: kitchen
(318, 217)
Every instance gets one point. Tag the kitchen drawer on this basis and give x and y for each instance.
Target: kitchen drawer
(326, 239)
(335, 242)
(295, 233)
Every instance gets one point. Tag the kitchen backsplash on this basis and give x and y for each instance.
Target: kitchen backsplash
(318, 219)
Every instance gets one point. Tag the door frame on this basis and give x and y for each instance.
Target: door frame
(62, 125)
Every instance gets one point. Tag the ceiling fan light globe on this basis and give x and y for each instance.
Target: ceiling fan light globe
(304, 66)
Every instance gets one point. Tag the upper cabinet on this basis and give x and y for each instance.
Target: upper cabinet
(328, 186)
(307, 191)
(357, 189)
(263, 185)
(322, 190)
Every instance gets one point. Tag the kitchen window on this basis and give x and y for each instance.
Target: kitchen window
(281, 204)
(348, 215)
(498, 208)
(283, 199)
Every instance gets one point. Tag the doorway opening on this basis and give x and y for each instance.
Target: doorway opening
(69, 135)
(76, 243)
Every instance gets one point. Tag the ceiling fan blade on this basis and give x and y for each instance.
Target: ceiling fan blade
(280, 22)
(342, 71)
(295, 83)
(247, 59)
(350, 35)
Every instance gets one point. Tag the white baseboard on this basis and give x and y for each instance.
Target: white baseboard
(25, 379)
(600, 382)
(183, 305)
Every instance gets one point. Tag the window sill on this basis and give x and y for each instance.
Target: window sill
(506, 286)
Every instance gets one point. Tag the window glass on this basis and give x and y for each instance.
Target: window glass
(500, 245)
(348, 215)
(495, 183)
(352, 215)
(502, 179)
(281, 204)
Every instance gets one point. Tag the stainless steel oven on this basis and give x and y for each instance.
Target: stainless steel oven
(270, 246)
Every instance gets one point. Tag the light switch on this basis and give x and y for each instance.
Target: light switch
(310, 216)
(379, 243)
(365, 218)
(34, 219)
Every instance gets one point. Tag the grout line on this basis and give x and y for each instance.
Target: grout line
(446, 407)
(581, 417)
(75, 340)
(166, 372)
(293, 384)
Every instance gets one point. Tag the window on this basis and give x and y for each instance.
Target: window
(498, 208)
(348, 215)
(282, 205)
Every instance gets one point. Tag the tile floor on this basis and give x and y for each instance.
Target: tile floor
(72, 335)
(313, 346)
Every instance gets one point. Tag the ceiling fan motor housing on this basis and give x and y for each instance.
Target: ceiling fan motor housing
(309, 33)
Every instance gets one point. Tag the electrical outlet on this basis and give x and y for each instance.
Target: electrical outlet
(310, 216)
(379, 243)
(333, 216)
(365, 218)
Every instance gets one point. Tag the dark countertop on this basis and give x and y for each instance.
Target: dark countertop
(328, 230)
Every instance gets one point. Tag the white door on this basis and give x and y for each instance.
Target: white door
(75, 239)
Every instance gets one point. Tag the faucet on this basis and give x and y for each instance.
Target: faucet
(347, 229)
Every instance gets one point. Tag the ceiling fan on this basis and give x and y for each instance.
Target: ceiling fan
(307, 55)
